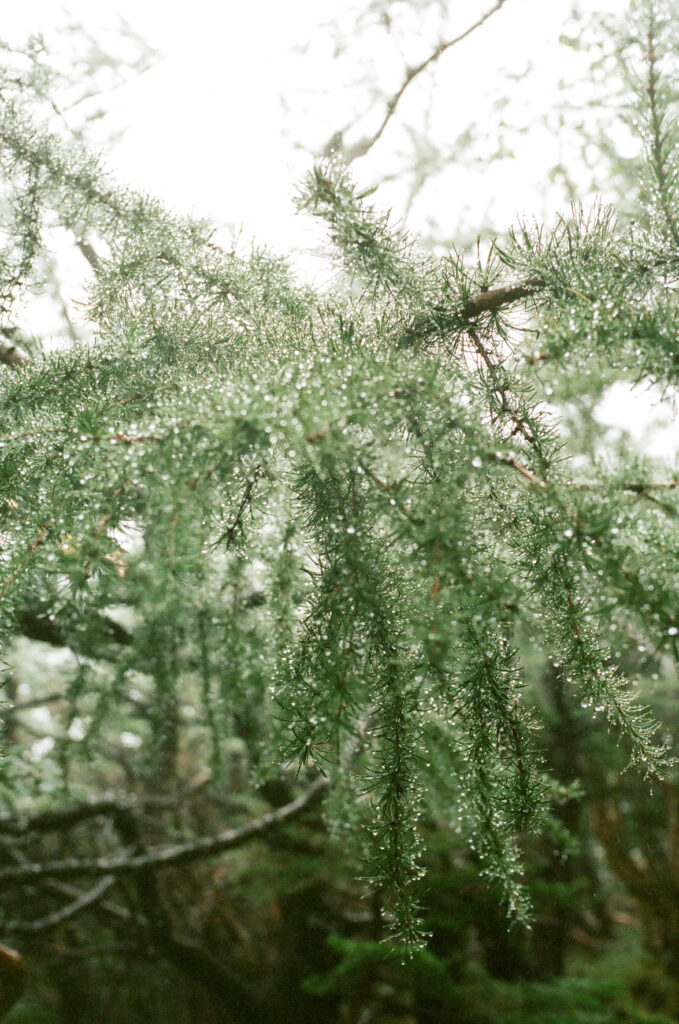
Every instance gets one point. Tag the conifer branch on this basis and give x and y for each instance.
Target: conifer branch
(391, 456)
(660, 142)
(525, 473)
(35, 544)
(236, 526)
(642, 490)
(487, 300)
(390, 489)
(36, 621)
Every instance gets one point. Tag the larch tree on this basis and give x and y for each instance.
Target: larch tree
(336, 524)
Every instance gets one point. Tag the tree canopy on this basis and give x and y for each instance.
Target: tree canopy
(325, 540)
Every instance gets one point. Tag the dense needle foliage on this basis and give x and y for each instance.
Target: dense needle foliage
(338, 522)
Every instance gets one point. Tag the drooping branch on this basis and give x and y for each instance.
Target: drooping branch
(164, 856)
(362, 147)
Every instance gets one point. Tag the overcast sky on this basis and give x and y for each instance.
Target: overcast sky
(204, 128)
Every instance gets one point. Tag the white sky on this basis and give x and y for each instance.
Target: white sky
(204, 127)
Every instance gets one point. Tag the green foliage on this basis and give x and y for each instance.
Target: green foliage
(334, 521)
(423, 981)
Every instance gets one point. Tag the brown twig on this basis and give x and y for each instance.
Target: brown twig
(490, 299)
(525, 473)
(487, 300)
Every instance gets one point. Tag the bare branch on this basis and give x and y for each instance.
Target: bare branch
(89, 253)
(185, 953)
(105, 907)
(73, 892)
(107, 805)
(67, 817)
(84, 900)
(489, 300)
(362, 147)
(165, 856)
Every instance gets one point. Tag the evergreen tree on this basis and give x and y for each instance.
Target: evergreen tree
(333, 525)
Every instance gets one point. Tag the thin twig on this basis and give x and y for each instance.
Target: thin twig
(362, 147)
(641, 490)
(230, 533)
(53, 920)
(487, 300)
(490, 299)
(35, 544)
(525, 473)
